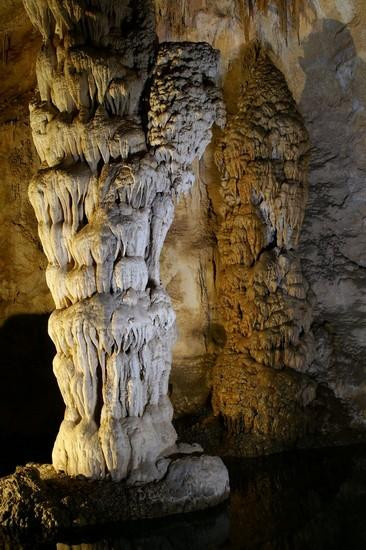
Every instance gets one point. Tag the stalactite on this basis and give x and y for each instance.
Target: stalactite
(265, 302)
(289, 12)
(104, 200)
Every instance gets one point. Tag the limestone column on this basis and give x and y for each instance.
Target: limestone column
(117, 123)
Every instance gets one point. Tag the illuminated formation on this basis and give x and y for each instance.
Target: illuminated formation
(117, 125)
(265, 301)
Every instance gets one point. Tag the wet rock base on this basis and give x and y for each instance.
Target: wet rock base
(38, 499)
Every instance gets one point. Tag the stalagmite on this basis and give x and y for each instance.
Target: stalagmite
(265, 300)
(117, 124)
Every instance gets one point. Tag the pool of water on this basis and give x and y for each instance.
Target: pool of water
(302, 500)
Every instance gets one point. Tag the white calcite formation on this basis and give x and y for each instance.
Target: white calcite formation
(117, 124)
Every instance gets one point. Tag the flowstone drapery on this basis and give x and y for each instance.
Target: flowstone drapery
(116, 126)
(265, 301)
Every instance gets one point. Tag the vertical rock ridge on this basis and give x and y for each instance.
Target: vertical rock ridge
(177, 17)
(265, 301)
(104, 201)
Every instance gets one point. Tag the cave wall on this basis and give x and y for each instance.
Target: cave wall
(322, 58)
(323, 61)
(27, 384)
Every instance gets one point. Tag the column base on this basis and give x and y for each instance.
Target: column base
(36, 498)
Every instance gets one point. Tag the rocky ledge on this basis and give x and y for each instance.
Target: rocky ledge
(37, 498)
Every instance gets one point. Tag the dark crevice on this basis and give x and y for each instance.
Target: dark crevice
(99, 401)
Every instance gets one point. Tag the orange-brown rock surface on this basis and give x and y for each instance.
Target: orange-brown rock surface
(263, 297)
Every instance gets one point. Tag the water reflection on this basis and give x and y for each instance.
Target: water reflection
(299, 501)
(194, 532)
(306, 500)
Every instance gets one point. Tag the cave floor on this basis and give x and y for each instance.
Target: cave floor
(305, 499)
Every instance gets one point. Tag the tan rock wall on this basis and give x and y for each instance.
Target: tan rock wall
(22, 283)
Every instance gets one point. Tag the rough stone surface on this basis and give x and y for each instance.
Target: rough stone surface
(323, 60)
(37, 500)
(333, 240)
(114, 157)
(264, 299)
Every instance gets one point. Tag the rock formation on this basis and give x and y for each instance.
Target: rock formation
(265, 302)
(37, 505)
(322, 57)
(116, 127)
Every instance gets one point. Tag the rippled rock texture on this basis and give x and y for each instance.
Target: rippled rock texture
(116, 151)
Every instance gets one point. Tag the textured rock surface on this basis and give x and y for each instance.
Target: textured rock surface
(113, 161)
(264, 300)
(323, 61)
(38, 500)
(333, 240)
(22, 288)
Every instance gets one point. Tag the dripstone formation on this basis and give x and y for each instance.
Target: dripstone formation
(265, 303)
(117, 124)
